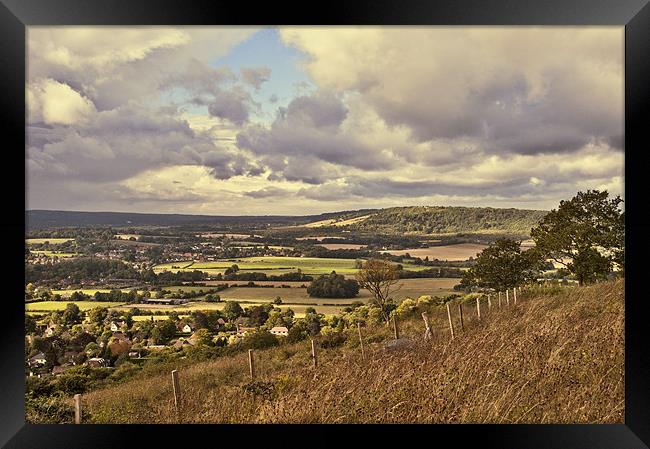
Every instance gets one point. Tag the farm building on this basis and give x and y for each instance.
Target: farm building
(280, 331)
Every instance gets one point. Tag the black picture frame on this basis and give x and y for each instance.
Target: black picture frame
(634, 15)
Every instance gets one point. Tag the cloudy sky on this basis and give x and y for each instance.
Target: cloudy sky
(301, 120)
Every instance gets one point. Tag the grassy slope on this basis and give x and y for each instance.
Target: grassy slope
(556, 357)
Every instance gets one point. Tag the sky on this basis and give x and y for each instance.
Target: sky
(304, 120)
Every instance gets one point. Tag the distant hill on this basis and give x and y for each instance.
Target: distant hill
(441, 220)
(47, 219)
(396, 220)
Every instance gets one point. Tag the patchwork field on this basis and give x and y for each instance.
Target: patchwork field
(461, 251)
(51, 241)
(275, 265)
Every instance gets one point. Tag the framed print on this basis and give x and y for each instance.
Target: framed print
(374, 213)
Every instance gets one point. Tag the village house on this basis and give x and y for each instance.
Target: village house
(117, 325)
(280, 331)
(242, 331)
(97, 362)
(60, 369)
(120, 336)
(181, 343)
(187, 328)
(37, 361)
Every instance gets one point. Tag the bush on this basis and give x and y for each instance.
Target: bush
(332, 339)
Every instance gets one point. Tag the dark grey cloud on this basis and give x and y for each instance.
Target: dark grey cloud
(230, 105)
(306, 137)
(268, 192)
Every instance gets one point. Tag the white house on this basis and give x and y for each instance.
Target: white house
(116, 325)
(188, 329)
(280, 331)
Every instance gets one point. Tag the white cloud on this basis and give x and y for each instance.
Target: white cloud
(57, 103)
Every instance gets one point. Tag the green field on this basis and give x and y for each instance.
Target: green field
(51, 241)
(51, 306)
(90, 291)
(54, 253)
(408, 288)
(276, 265)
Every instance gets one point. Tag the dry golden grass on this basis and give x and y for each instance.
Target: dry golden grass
(557, 357)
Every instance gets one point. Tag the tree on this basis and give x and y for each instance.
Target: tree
(163, 331)
(200, 319)
(232, 310)
(72, 314)
(259, 314)
(277, 300)
(585, 234)
(97, 315)
(203, 337)
(30, 324)
(502, 266)
(333, 286)
(379, 277)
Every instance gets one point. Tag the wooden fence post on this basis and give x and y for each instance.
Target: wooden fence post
(363, 353)
(77, 409)
(177, 391)
(460, 312)
(478, 308)
(395, 329)
(427, 329)
(489, 303)
(499, 300)
(451, 323)
(313, 353)
(514, 294)
(251, 364)
(507, 297)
